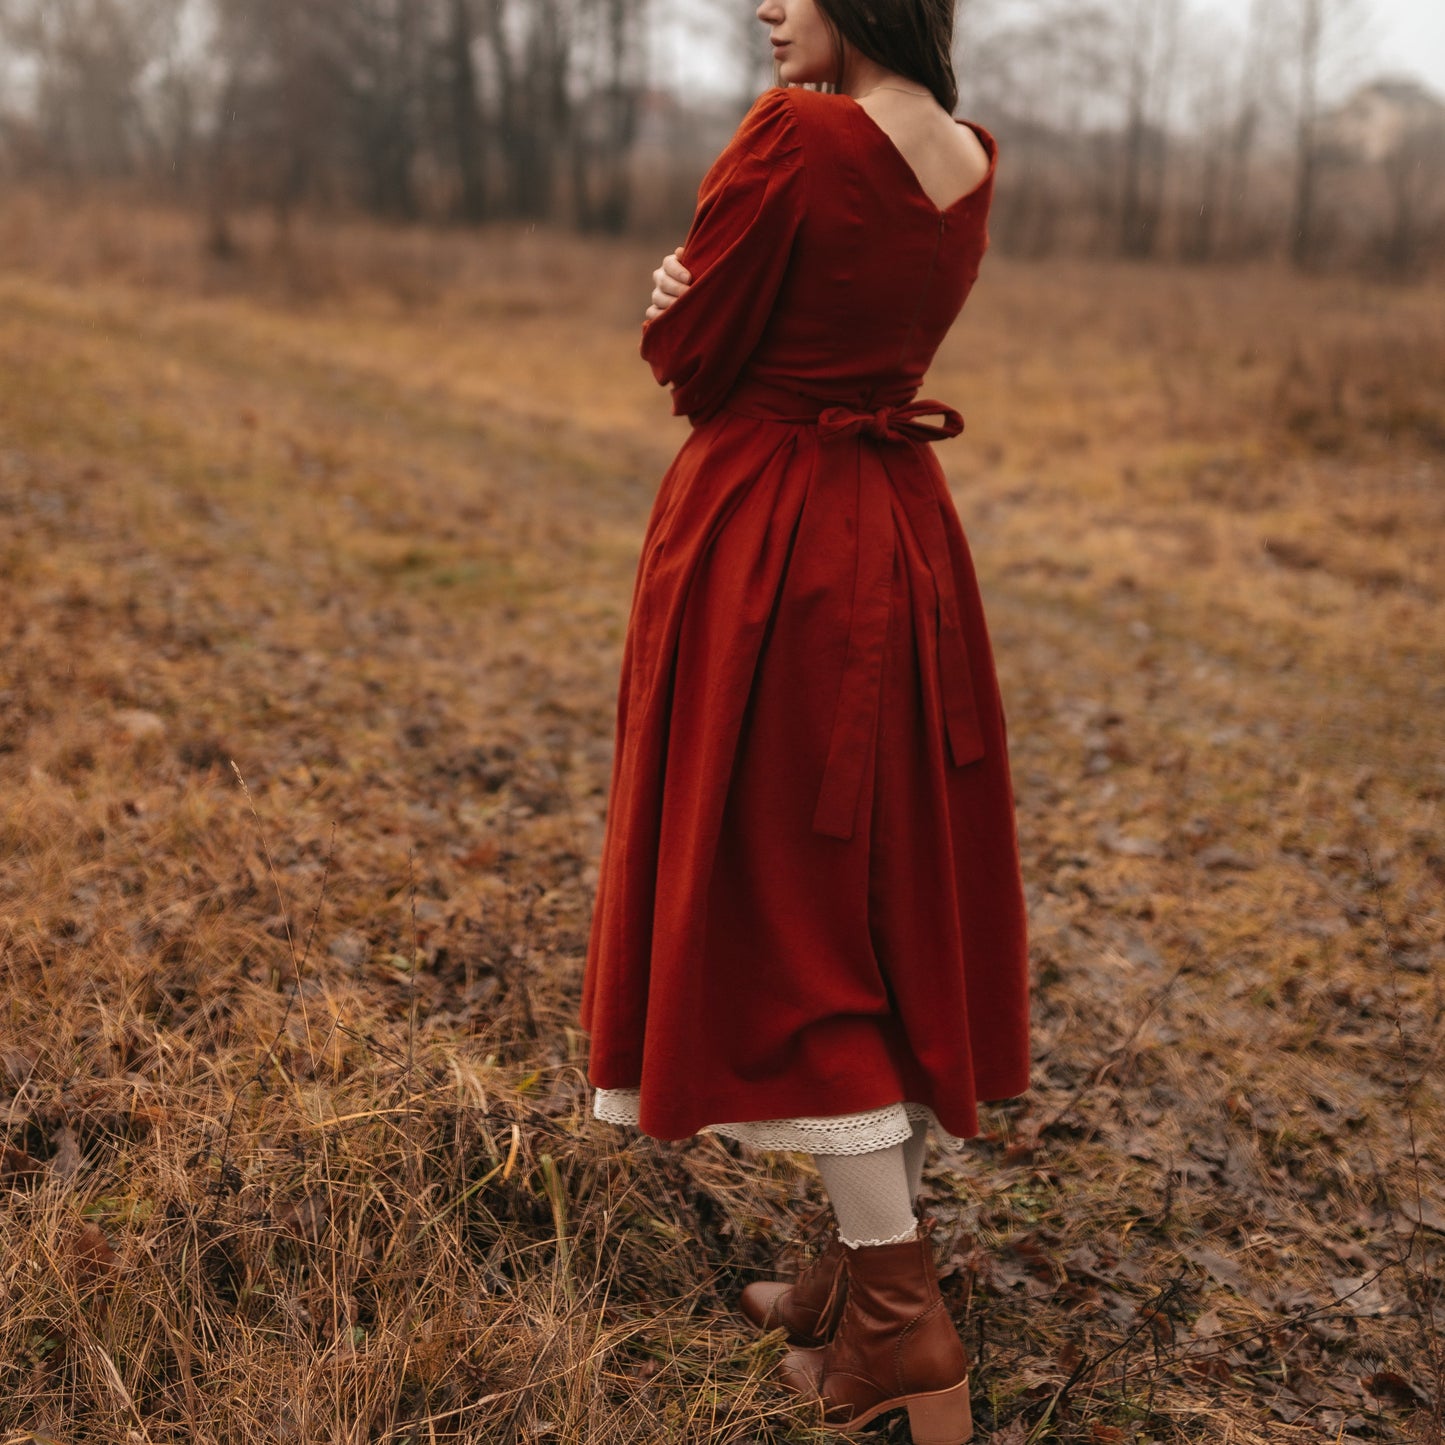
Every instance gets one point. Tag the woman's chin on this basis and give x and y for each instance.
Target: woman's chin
(790, 73)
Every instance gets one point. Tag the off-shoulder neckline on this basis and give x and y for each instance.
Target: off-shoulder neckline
(985, 139)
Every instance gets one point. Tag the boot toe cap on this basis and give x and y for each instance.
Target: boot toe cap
(759, 1302)
(802, 1371)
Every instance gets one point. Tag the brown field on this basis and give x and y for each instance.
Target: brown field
(314, 573)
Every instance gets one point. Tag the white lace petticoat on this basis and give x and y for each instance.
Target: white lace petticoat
(859, 1133)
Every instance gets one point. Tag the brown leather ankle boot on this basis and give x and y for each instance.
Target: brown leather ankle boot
(895, 1346)
(809, 1307)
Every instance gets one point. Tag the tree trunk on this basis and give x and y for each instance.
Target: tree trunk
(615, 205)
(219, 241)
(1203, 229)
(507, 103)
(1306, 155)
(1134, 238)
(1246, 126)
(471, 154)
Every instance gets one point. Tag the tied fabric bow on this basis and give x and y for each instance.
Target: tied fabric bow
(892, 423)
(856, 715)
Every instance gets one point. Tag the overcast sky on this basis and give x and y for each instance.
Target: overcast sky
(1400, 37)
(1408, 37)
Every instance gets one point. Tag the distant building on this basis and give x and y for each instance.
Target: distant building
(1372, 124)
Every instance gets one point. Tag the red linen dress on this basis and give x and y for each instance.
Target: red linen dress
(809, 899)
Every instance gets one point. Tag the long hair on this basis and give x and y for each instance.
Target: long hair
(912, 38)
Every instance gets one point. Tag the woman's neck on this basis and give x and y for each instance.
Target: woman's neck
(860, 75)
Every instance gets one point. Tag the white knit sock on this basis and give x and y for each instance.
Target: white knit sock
(869, 1194)
(914, 1149)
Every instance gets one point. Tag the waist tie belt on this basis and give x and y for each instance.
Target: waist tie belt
(841, 430)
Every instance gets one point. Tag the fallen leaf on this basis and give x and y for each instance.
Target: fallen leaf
(1289, 1407)
(1359, 1297)
(18, 1065)
(1222, 1270)
(1130, 845)
(305, 1217)
(145, 1117)
(349, 948)
(16, 1165)
(1389, 1385)
(1000, 1273)
(138, 724)
(65, 1162)
(1137, 1145)
(1426, 1213)
(94, 1258)
(484, 855)
(1223, 858)
(1014, 1433)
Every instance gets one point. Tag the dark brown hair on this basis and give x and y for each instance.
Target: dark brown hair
(912, 38)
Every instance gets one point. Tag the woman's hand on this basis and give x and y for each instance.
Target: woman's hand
(670, 280)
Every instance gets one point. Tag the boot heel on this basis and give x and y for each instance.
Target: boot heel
(942, 1418)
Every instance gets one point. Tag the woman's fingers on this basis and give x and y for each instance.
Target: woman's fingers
(669, 281)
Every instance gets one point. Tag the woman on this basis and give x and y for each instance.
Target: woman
(809, 931)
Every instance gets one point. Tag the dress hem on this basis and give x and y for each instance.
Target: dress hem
(859, 1133)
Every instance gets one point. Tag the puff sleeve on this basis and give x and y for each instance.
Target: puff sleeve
(737, 249)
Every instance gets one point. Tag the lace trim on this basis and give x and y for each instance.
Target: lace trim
(859, 1133)
(910, 1233)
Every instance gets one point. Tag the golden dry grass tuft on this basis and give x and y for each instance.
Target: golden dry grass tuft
(312, 616)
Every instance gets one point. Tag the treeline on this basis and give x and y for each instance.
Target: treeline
(1160, 128)
(464, 109)
(1140, 128)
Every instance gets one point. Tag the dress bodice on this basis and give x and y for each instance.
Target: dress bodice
(819, 263)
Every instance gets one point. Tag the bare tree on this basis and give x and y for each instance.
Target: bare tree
(732, 34)
(1327, 35)
(1302, 228)
(1262, 61)
(1209, 94)
(378, 59)
(464, 93)
(1040, 71)
(530, 46)
(95, 61)
(1149, 44)
(612, 47)
(277, 110)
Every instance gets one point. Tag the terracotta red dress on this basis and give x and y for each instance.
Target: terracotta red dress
(809, 900)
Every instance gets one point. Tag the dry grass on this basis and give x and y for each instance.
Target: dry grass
(296, 1134)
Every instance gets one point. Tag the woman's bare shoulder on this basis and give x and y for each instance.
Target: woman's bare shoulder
(973, 157)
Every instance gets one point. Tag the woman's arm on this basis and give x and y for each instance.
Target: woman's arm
(737, 251)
